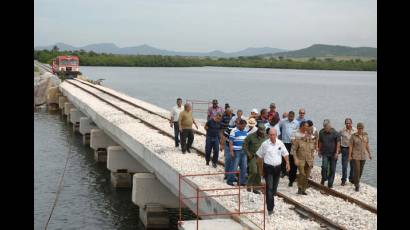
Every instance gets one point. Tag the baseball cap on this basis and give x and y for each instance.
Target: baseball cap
(254, 111)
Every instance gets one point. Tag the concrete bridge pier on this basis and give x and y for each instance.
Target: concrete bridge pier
(122, 166)
(53, 95)
(86, 124)
(61, 101)
(75, 116)
(67, 107)
(152, 198)
(99, 141)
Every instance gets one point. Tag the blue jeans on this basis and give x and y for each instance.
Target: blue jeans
(345, 162)
(328, 162)
(212, 143)
(240, 160)
(228, 160)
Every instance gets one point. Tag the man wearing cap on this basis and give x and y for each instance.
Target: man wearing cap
(345, 135)
(254, 114)
(251, 144)
(329, 149)
(173, 122)
(251, 126)
(358, 150)
(214, 109)
(273, 115)
(303, 148)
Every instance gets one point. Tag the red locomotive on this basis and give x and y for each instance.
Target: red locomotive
(66, 66)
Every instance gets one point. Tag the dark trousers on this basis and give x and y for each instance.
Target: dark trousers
(345, 162)
(187, 134)
(358, 170)
(176, 133)
(212, 143)
(271, 174)
(328, 169)
(293, 167)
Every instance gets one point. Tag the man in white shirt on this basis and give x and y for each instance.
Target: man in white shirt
(271, 151)
(173, 122)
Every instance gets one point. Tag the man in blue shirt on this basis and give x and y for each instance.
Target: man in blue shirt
(301, 117)
(236, 138)
(212, 127)
(287, 127)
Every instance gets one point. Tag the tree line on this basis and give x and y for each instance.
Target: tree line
(103, 59)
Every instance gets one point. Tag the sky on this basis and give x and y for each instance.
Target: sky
(206, 25)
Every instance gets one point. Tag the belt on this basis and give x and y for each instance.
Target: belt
(344, 147)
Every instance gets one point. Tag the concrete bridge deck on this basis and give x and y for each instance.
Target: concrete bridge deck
(156, 154)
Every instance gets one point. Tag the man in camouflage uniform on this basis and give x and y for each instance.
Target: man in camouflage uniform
(303, 149)
(251, 144)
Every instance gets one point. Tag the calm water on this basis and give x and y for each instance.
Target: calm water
(87, 200)
(324, 94)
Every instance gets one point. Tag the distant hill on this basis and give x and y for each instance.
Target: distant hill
(320, 50)
(149, 50)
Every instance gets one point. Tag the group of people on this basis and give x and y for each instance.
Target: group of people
(269, 146)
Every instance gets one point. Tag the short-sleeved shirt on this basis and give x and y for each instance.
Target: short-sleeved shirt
(237, 137)
(272, 153)
(288, 127)
(186, 119)
(359, 143)
(328, 141)
(214, 128)
(175, 112)
(213, 111)
(345, 135)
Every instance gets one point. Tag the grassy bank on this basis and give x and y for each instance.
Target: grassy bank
(94, 59)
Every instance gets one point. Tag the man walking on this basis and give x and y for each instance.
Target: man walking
(303, 148)
(358, 149)
(185, 122)
(173, 122)
(214, 109)
(288, 127)
(236, 138)
(345, 135)
(212, 128)
(251, 144)
(271, 151)
(329, 147)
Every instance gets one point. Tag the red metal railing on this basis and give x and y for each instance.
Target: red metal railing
(182, 178)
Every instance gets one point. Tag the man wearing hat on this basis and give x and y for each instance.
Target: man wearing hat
(254, 114)
(214, 109)
(251, 144)
(250, 127)
(329, 149)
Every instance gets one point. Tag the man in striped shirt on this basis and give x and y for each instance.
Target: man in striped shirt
(236, 138)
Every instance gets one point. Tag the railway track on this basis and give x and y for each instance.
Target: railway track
(300, 208)
(312, 183)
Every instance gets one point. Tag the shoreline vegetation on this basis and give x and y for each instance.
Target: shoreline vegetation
(102, 59)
